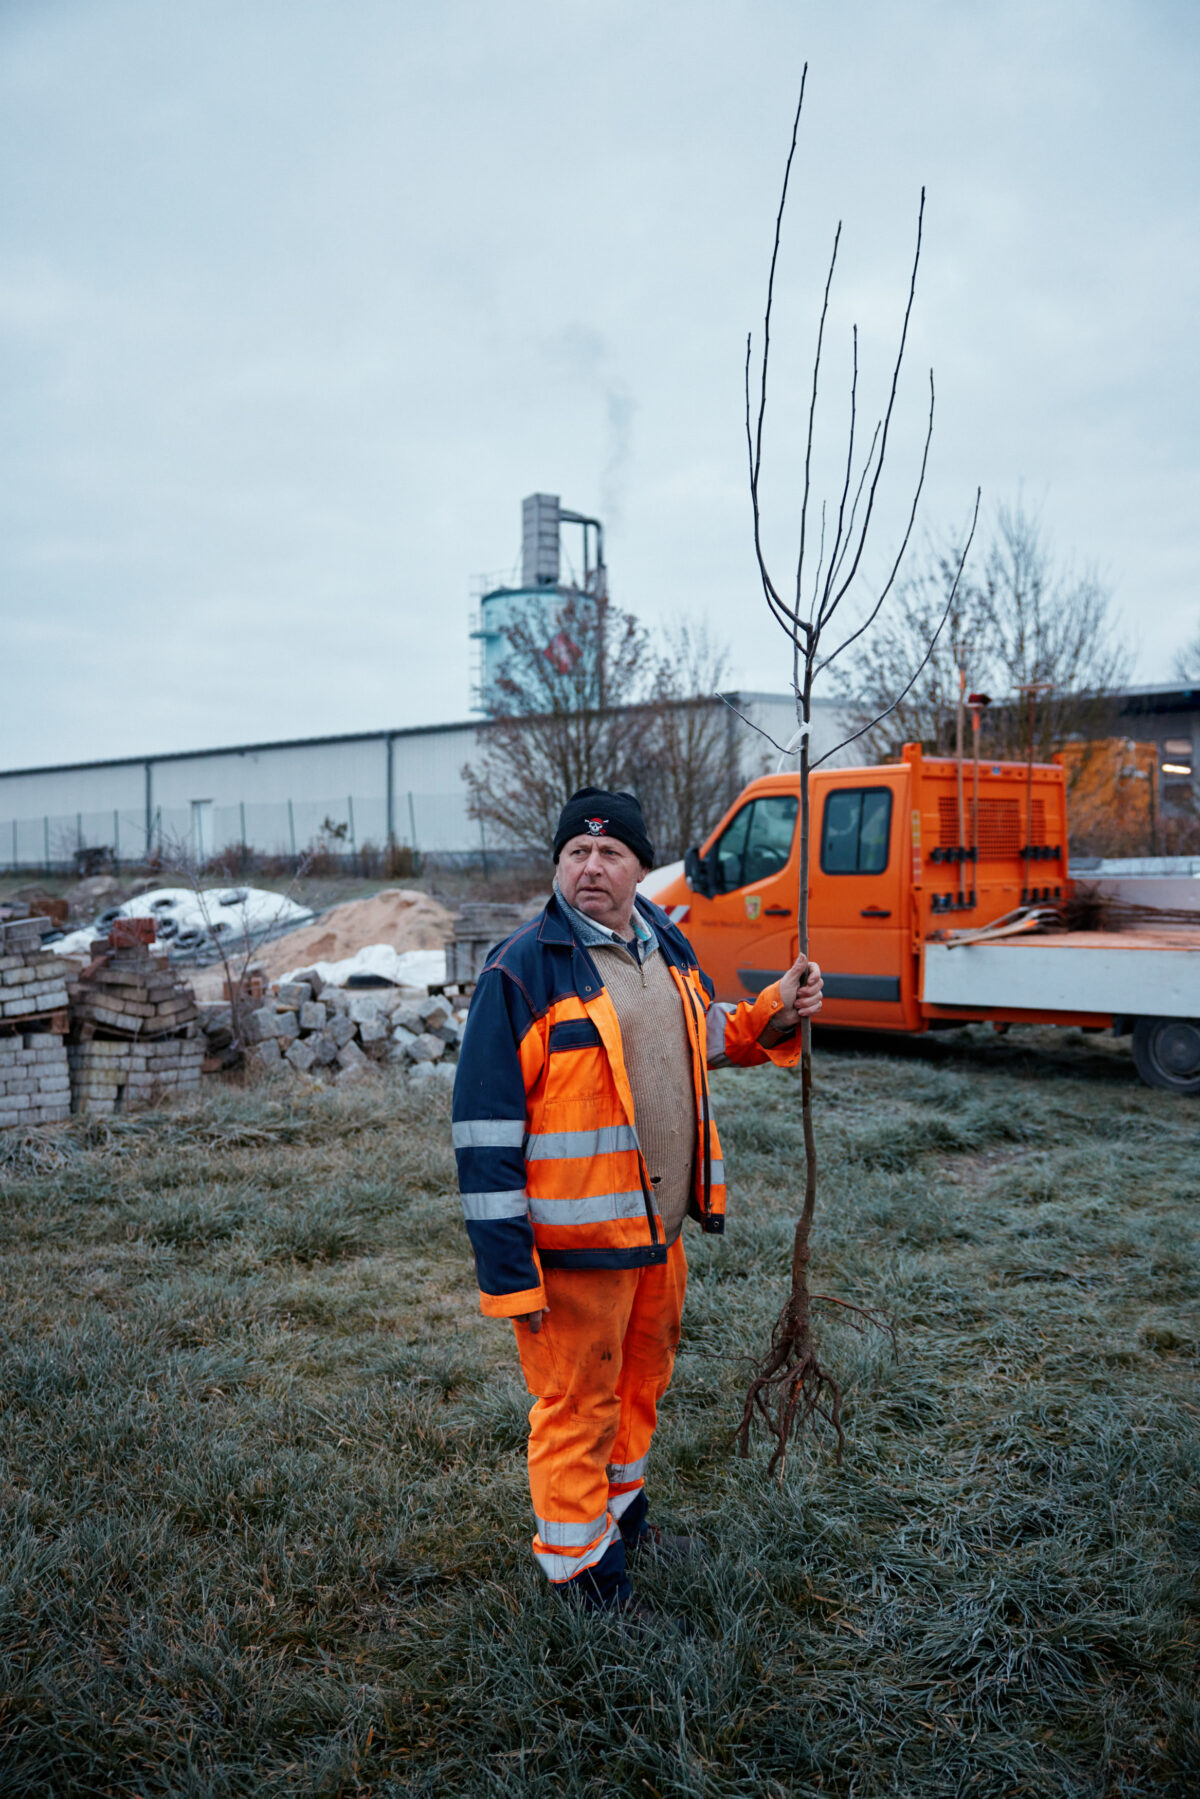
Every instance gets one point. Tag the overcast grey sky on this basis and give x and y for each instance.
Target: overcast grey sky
(298, 299)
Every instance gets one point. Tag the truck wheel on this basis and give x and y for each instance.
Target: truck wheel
(1166, 1053)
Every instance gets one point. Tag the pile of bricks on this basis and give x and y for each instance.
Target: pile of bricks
(127, 989)
(33, 984)
(33, 1017)
(334, 1034)
(110, 1074)
(34, 1079)
(134, 1036)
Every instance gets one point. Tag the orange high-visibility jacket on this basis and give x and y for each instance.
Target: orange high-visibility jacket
(549, 1165)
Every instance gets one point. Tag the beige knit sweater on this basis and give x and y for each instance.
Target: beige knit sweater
(658, 1061)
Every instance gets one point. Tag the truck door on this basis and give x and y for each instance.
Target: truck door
(855, 911)
(744, 934)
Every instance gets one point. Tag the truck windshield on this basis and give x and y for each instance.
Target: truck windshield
(854, 831)
(757, 842)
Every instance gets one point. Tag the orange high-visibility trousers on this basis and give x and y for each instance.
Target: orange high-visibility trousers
(599, 1366)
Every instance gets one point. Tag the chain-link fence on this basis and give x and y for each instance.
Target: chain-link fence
(348, 827)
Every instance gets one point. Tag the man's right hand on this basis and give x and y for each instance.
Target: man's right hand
(533, 1319)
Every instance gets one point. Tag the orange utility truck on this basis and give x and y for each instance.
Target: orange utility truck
(907, 862)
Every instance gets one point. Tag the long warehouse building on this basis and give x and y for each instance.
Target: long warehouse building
(402, 787)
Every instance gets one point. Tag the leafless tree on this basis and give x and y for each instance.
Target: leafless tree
(790, 1385)
(658, 733)
(881, 662)
(684, 777)
(1027, 621)
(548, 733)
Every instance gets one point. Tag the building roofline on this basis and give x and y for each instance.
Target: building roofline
(1182, 690)
(242, 749)
(298, 743)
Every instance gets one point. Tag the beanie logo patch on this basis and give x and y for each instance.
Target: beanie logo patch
(596, 826)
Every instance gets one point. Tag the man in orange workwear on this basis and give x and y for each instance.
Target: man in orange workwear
(584, 1134)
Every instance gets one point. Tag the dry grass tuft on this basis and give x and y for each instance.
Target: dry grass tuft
(263, 1477)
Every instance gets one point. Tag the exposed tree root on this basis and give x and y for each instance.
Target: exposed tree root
(789, 1387)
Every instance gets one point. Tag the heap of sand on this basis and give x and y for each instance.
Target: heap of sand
(398, 916)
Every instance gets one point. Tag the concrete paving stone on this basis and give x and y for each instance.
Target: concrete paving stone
(324, 1048)
(350, 1056)
(341, 1029)
(427, 1048)
(374, 1030)
(264, 1023)
(300, 1054)
(268, 1054)
(365, 1006)
(291, 995)
(289, 1027)
(313, 1015)
(408, 1014)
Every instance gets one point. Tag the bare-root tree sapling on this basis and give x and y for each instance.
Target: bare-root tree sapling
(790, 1386)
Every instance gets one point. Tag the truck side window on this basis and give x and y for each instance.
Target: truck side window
(855, 831)
(757, 843)
(769, 841)
(729, 850)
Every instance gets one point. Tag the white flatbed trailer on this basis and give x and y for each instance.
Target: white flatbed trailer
(1144, 981)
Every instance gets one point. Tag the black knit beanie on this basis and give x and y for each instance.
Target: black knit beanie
(594, 813)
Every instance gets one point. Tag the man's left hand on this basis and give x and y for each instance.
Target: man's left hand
(800, 991)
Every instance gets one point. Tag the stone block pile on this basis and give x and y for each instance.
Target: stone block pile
(326, 1034)
(134, 1037)
(34, 1078)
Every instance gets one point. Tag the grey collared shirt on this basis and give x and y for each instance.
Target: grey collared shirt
(595, 936)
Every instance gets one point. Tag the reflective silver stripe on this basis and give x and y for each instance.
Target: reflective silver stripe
(569, 1536)
(619, 1503)
(718, 1174)
(488, 1133)
(512, 1204)
(620, 1472)
(715, 1021)
(602, 1208)
(565, 1567)
(554, 1146)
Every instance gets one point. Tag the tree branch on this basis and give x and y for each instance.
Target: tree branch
(828, 610)
(855, 735)
(908, 529)
(754, 446)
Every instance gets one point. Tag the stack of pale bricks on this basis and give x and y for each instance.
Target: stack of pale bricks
(134, 1037)
(34, 1085)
